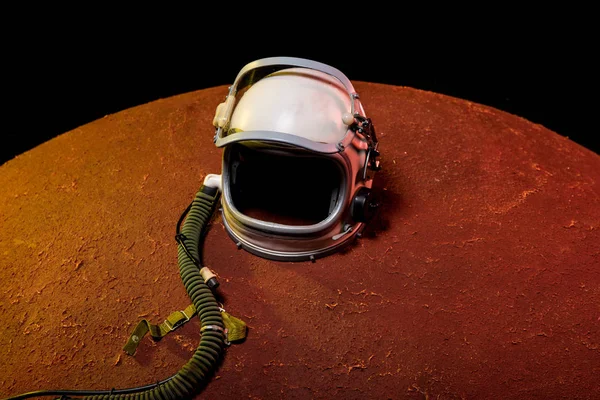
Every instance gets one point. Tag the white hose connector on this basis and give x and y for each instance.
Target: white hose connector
(214, 181)
(207, 274)
(209, 278)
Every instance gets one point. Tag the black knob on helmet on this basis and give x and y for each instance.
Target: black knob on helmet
(363, 205)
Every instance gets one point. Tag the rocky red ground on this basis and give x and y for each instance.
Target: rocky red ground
(480, 278)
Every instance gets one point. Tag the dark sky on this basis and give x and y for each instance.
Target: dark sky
(63, 79)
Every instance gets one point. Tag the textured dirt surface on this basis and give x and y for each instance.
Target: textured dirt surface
(479, 279)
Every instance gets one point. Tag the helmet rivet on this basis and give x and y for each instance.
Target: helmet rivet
(347, 118)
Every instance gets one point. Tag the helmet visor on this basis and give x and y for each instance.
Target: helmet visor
(282, 187)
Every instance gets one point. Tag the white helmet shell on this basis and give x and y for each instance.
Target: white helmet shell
(297, 101)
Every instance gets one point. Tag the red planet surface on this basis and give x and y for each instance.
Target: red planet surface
(478, 278)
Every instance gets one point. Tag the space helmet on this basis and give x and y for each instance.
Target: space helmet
(299, 157)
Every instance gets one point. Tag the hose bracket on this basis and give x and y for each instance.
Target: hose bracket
(216, 328)
(180, 321)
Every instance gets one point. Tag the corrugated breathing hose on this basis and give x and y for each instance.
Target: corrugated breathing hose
(195, 374)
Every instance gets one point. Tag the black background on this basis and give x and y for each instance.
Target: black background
(62, 78)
